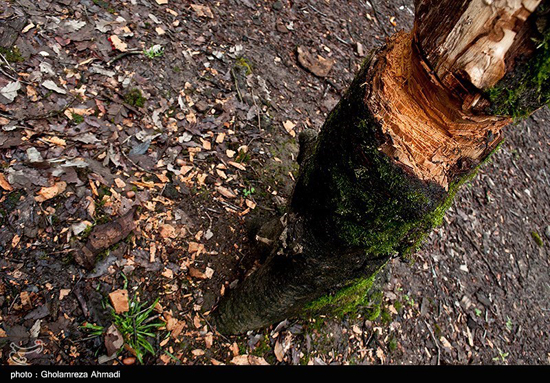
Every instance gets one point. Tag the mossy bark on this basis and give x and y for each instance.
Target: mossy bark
(353, 208)
(354, 205)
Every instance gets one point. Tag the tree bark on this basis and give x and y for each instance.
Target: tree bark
(419, 118)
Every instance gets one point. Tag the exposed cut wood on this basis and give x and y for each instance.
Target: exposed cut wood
(430, 131)
(475, 46)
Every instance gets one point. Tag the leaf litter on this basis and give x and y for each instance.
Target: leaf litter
(140, 169)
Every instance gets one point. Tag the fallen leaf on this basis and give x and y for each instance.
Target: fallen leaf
(10, 90)
(118, 43)
(196, 273)
(289, 127)
(113, 340)
(319, 65)
(129, 361)
(225, 192)
(47, 193)
(167, 231)
(119, 299)
(202, 10)
(249, 360)
(103, 236)
(63, 293)
(278, 350)
(56, 141)
(50, 85)
(4, 184)
(237, 165)
(167, 273)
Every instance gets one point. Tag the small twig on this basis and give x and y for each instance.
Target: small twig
(213, 328)
(377, 16)
(237, 85)
(12, 303)
(121, 56)
(126, 105)
(341, 40)
(434, 339)
(259, 112)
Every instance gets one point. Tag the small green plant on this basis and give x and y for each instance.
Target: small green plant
(244, 63)
(501, 356)
(77, 119)
(93, 329)
(509, 324)
(248, 192)
(153, 52)
(408, 300)
(135, 98)
(12, 55)
(478, 312)
(136, 326)
(537, 238)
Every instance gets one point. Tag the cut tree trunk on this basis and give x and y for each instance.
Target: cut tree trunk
(419, 118)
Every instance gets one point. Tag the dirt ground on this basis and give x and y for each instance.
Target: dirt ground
(140, 142)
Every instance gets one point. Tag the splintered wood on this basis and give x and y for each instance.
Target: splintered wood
(476, 44)
(429, 131)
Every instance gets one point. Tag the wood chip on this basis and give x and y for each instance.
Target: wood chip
(119, 300)
(167, 231)
(225, 192)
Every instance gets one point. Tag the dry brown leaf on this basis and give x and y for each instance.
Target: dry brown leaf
(113, 340)
(56, 141)
(289, 127)
(195, 247)
(118, 43)
(319, 65)
(237, 165)
(47, 193)
(178, 328)
(249, 360)
(119, 299)
(167, 231)
(196, 273)
(279, 352)
(202, 10)
(63, 293)
(225, 192)
(4, 184)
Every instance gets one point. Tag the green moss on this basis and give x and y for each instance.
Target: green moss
(262, 348)
(77, 119)
(537, 238)
(244, 63)
(12, 55)
(346, 300)
(392, 344)
(135, 98)
(358, 198)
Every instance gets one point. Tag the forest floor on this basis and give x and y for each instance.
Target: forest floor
(139, 142)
